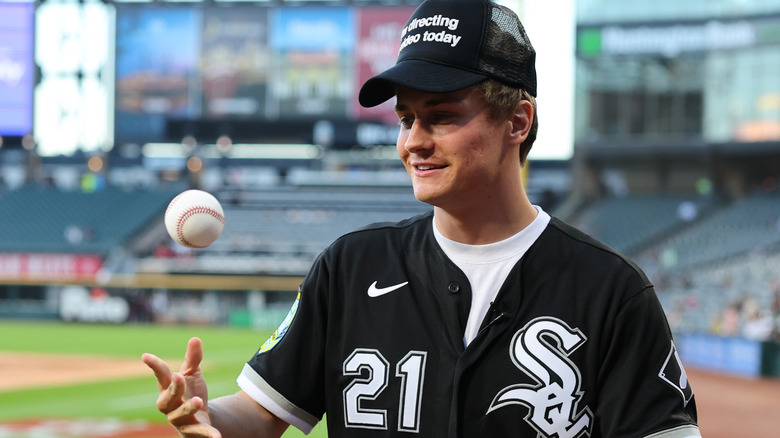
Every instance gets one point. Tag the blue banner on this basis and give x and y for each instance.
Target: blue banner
(722, 354)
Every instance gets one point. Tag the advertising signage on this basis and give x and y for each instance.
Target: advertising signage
(378, 43)
(675, 38)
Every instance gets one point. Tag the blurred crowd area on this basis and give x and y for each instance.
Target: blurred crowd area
(713, 258)
(672, 159)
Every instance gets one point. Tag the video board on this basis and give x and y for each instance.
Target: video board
(248, 62)
(16, 68)
(312, 50)
(158, 57)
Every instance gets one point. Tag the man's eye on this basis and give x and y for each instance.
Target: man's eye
(405, 121)
(442, 117)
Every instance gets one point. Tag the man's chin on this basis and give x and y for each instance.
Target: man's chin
(423, 195)
(428, 197)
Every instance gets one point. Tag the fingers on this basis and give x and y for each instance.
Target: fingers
(170, 398)
(193, 357)
(161, 370)
(191, 365)
(184, 408)
(199, 430)
(185, 419)
(184, 414)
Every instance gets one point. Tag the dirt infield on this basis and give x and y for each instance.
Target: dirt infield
(85, 428)
(734, 407)
(33, 370)
(728, 406)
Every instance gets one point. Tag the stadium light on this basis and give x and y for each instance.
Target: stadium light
(95, 163)
(194, 164)
(28, 142)
(224, 143)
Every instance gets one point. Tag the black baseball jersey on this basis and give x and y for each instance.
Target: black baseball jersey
(576, 344)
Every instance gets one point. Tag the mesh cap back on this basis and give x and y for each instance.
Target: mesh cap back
(507, 53)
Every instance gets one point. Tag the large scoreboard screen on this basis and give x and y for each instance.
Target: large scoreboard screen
(16, 68)
(248, 63)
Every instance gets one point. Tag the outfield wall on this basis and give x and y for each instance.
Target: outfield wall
(177, 302)
(730, 355)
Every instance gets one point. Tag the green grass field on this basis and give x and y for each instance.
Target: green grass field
(226, 351)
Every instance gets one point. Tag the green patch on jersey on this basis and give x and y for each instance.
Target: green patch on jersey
(283, 327)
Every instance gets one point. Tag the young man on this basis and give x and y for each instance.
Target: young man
(483, 318)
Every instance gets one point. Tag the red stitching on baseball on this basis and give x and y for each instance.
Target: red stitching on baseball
(173, 201)
(189, 212)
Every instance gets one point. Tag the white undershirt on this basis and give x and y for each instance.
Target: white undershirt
(487, 266)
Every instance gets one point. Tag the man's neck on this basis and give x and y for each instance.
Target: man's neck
(478, 226)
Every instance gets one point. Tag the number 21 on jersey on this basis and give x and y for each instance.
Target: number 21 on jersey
(372, 375)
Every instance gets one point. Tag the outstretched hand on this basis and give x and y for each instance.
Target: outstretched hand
(183, 395)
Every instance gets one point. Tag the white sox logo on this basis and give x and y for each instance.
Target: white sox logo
(674, 374)
(541, 350)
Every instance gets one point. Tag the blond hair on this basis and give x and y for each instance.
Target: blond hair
(502, 101)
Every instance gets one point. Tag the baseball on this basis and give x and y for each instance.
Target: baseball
(194, 218)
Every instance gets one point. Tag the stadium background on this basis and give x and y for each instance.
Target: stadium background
(109, 109)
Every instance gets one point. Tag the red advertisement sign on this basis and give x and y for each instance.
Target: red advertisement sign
(378, 42)
(30, 265)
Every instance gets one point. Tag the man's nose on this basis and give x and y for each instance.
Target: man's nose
(418, 138)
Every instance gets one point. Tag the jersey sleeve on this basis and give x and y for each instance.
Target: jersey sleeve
(644, 387)
(286, 375)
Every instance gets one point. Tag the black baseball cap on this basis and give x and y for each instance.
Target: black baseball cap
(448, 45)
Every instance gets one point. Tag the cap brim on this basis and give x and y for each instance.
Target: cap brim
(418, 75)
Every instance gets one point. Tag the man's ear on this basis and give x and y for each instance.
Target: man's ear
(521, 121)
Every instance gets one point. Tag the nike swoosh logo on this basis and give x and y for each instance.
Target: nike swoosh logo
(374, 291)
